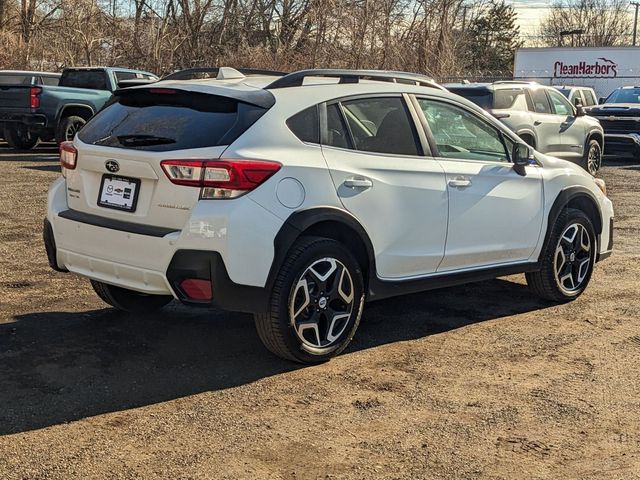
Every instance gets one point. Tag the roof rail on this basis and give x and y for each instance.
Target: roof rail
(190, 73)
(515, 81)
(296, 79)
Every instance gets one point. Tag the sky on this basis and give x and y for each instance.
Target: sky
(530, 14)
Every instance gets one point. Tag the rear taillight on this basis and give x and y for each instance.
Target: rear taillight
(68, 155)
(34, 97)
(220, 179)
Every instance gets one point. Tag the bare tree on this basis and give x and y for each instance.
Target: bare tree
(602, 22)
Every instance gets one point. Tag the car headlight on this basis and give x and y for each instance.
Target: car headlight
(601, 185)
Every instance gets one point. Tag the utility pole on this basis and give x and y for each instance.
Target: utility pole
(635, 22)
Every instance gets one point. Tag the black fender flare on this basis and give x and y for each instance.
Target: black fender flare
(302, 220)
(562, 200)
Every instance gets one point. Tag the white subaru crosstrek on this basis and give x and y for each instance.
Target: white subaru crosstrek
(298, 198)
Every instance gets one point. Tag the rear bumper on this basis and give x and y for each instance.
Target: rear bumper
(153, 261)
(622, 143)
(30, 119)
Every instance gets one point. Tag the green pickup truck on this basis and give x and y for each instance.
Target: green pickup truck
(33, 112)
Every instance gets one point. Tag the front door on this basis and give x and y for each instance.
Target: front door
(572, 130)
(495, 213)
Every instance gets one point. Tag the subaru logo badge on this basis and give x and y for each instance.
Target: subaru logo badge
(112, 166)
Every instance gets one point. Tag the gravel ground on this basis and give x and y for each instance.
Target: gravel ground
(479, 381)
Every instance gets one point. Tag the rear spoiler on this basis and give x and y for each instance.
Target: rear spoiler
(134, 82)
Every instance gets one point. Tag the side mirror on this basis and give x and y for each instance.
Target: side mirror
(580, 111)
(577, 102)
(521, 154)
(601, 100)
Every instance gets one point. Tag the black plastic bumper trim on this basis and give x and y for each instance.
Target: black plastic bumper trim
(119, 225)
(50, 246)
(227, 294)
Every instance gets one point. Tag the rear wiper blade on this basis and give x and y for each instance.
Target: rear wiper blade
(139, 140)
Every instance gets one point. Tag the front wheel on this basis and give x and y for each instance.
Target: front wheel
(129, 300)
(316, 302)
(567, 259)
(20, 137)
(592, 158)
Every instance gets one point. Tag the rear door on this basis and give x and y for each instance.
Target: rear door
(118, 173)
(546, 123)
(495, 213)
(572, 130)
(383, 178)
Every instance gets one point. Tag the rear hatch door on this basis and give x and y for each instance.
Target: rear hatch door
(119, 174)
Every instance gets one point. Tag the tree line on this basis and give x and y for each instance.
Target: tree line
(437, 37)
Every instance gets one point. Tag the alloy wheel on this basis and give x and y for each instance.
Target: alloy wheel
(572, 258)
(321, 303)
(71, 130)
(594, 159)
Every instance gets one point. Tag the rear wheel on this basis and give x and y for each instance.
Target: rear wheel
(567, 260)
(592, 158)
(68, 127)
(316, 302)
(20, 137)
(129, 300)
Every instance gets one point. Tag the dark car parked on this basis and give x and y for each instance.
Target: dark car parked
(44, 111)
(619, 115)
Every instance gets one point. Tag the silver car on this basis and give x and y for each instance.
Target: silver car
(542, 117)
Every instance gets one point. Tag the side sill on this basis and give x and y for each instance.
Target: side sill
(130, 227)
(380, 289)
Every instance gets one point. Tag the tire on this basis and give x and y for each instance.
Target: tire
(568, 252)
(592, 160)
(528, 139)
(68, 127)
(322, 274)
(128, 300)
(20, 137)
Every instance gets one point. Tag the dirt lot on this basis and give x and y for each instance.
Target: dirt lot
(480, 381)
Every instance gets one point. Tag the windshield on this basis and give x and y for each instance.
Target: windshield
(625, 95)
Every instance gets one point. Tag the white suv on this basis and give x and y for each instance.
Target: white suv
(299, 198)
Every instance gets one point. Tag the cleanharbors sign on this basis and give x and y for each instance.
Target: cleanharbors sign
(604, 68)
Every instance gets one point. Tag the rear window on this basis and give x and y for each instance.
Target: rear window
(15, 79)
(172, 120)
(93, 79)
(482, 98)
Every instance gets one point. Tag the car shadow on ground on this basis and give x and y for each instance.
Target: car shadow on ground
(63, 366)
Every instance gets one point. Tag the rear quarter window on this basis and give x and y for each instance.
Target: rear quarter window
(482, 98)
(306, 125)
(161, 122)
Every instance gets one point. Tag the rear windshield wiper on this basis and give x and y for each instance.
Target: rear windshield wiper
(141, 140)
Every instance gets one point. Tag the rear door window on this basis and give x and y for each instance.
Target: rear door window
(381, 125)
(171, 120)
(337, 134)
(510, 99)
(540, 101)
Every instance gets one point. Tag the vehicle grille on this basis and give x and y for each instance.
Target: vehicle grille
(619, 125)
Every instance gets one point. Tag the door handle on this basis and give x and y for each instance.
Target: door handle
(537, 122)
(358, 182)
(460, 182)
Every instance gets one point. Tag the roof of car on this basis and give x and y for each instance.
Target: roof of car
(28, 72)
(260, 90)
